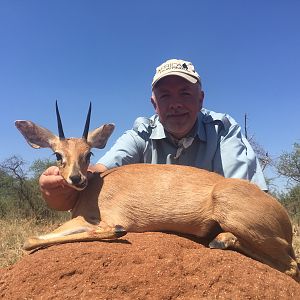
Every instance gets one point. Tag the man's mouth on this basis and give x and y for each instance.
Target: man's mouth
(178, 115)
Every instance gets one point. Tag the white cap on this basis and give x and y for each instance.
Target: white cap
(176, 67)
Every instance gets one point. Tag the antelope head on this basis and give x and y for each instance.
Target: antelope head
(72, 154)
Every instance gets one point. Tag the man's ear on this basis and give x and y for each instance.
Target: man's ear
(201, 98)
(153, 103)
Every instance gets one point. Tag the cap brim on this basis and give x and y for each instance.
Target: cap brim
(183, 75)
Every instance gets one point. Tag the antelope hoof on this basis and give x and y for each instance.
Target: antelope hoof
(223, 241)
(31, 243)
(120, 231)
(217, 245)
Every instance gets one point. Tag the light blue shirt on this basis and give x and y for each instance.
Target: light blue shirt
(216, 144)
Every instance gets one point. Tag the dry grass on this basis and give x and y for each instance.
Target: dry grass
(14, 232)
(296, 241)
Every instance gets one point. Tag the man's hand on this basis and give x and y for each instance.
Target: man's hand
(50, 179)
(57, 193)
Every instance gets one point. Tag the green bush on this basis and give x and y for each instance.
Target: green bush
(20, 195)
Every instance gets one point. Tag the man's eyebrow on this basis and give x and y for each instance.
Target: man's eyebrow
(186, 87)
(162, 90)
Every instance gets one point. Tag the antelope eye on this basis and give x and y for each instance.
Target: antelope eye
(58, 156)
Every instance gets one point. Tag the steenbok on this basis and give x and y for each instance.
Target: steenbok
(230, 213)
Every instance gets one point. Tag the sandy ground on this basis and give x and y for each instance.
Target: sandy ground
(143, 266)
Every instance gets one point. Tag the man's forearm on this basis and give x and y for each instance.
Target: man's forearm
(62, 201)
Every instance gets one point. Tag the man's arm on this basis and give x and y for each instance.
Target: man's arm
(56, 192)
(128, 149)
(238, 157)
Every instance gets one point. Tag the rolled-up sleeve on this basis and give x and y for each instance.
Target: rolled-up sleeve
(238, 158)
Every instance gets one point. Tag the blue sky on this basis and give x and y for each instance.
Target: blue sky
(247, 53)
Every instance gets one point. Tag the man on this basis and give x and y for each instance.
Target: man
(181, 132)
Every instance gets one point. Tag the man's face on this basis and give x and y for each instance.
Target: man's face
(177, 102)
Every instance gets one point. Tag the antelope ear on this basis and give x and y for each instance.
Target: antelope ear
(36, 136)
(99, 136)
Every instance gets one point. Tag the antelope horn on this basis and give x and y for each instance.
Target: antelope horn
(87, 123)
(59, 124)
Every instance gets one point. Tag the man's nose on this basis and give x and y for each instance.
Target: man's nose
(176, 103)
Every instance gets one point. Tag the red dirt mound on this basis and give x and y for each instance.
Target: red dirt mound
(143, 266)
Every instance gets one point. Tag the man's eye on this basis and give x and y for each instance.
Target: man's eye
(164, 97)
(58, 156)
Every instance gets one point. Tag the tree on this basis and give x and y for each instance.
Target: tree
(15, 182)
(262, 155)
(7, 192)
(19, 190)
(291, 201)
(39, 166)
(288, 164)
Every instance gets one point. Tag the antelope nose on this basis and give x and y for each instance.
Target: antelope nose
(75, 179)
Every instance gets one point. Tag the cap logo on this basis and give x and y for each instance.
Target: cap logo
(174, 66)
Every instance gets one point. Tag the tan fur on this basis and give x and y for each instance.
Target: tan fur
(233, 213)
